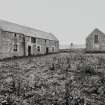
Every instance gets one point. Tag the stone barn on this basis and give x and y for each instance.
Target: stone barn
(18, 40)
(95, 42)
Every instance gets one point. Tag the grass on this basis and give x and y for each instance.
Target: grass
(53, 79)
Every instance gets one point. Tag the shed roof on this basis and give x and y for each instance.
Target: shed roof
(12, 27)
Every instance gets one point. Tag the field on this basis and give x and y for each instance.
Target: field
(57, 79)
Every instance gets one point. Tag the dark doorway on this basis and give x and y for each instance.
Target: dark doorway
(29, 50)
(47, 50)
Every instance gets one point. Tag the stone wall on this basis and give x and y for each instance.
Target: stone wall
(8, 40)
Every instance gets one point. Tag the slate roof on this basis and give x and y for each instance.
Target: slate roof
(12, 27)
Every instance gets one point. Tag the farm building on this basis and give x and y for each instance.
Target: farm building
(95, 42)
(18, 40)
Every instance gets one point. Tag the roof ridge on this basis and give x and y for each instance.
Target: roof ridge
(97, 29)
(13, 27)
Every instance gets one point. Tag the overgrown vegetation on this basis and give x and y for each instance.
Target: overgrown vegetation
(59, 79)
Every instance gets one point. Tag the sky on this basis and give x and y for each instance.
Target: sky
(71, 21)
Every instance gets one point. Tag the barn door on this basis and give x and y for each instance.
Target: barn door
(47, 50)
(29, 50)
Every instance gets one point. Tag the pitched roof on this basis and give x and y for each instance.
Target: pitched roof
(96, 30)
(12, 27)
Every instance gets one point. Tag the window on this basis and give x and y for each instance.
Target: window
(96, 39)
(15, 47)
(45, 41)
(52, 49)
(33, 40)
(15, 35)
(15, 38)
(38, 48)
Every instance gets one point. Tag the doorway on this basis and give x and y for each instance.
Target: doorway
(47, 50)
(29, 50)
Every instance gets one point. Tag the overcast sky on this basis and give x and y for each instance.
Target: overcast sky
(69, 20)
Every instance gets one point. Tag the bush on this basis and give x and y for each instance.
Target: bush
(88, 70)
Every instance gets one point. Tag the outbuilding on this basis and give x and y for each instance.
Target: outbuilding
(95, 42)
